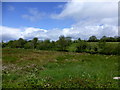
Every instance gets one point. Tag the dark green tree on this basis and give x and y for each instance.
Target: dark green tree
(79, 39)
(3, 44)
(21, 42)
(92, 39)
(103, 39)
(34, 42)
(62, 43)
(81, 46)
(28, 45)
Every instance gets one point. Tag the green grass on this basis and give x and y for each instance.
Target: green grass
(50, 69)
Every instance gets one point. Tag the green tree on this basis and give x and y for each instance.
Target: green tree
(21, 42)
(47, 44)
(62, 43)
(9, 44)
(34, 42)
(101, 44)
(28, 45)
(81, 46)
(68, 40)
(44, 45)
(104, 37)
(79, 39)
(3, 44)
(118, 39)
(92, 39)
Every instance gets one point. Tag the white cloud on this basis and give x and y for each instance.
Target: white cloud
(92, 18)
(97, 30)
(75, 32)
(79, 10)
(31, 32)
(33, 15)
(90, 12)
(9, 33)
(70, 9)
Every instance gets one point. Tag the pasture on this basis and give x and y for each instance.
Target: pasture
(27, 68)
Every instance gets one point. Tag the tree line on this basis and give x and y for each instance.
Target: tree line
(104, 45)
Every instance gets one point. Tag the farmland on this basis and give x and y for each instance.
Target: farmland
(30, 68)
(70, 44)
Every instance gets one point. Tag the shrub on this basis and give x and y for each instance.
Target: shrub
(110, 49)
(81, 46)
(72, 47)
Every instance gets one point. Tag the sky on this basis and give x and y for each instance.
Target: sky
(49, 20)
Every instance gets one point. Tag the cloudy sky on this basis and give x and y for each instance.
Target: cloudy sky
(49, 20)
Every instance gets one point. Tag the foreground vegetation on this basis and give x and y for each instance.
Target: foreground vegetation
(28, 68)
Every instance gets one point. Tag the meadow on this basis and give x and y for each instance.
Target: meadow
(30, 68)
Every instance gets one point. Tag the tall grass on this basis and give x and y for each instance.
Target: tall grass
(51, 69)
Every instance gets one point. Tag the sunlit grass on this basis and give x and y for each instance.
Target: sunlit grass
(40, 69)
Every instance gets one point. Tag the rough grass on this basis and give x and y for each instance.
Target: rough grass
(50, 69)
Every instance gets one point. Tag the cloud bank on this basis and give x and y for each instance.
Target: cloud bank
(91, 18)
(28, 33)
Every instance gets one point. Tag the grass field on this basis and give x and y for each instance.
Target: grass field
(23, 68)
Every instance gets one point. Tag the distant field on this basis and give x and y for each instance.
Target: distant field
(52, 69)
(112, 43)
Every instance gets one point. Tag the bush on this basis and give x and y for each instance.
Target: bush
(72, 48)
(28, 45)
(81, 46)
(110, 49)
(118, 49)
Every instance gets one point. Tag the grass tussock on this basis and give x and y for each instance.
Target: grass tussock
(51, 69)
